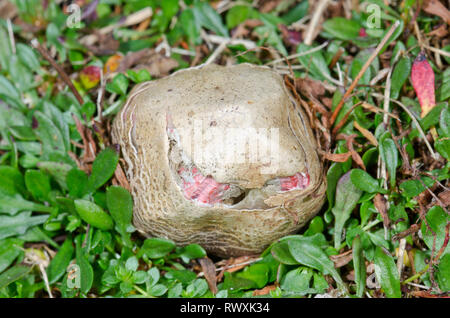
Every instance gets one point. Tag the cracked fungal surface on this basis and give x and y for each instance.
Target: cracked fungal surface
(219, 156)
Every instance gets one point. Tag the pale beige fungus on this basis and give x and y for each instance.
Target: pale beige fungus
(151, 131)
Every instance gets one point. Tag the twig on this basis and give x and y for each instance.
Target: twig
(363, 70)
(436, 50)
(312, 27)
(11, 36)
(46, 55)
(293, 56)
(401, 252)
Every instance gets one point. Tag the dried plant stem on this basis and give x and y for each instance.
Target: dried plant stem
(363, 70)
(312, 27)
(46, 55)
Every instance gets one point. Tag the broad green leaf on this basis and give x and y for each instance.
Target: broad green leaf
(342, 28)
(77, 183)
(257, 273)
(12, 204)
(86, 272)
(49, 134)
(9, 251)
(387, 274)
(38, 184)
(389, 153)
(364, 181)
(28, 57)
(103, 168)
(443, 147)
(443, 273)
(333, 174)
(313, 256)
(296, 13)
(12, 180)
(58, 170)
(347, 196)
(120, 206)
(236, 15)
(118, 85)
(359, 266)
(297, 280)
(209, 18)
(61, 261)
(437, 219)
(314, 62)
(191, 251)
(411, 188)
(191, 26)
(444, 122)
(400, 75)
(94, 215)
(156, 247)
(280, 251)
(13, 274)
(18, 224)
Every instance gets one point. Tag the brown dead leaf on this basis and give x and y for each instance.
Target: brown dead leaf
(310, 86)
(209, 271)
(366, 133)
(440, 32)
(336, 157)
(380, 203)
(342, 259)
(435, 7)
(7, 10)
(101, 44)
(266, 290)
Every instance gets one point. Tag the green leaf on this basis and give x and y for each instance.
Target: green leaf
(296, 13)
(236, 15)
(387, 274)
(347, 196)
(94, 215)
(38, 184)
(191, 251)
(86, 272)
(342, 28)
(209, 18)
(333, 174)
(103, 168)
(9, 251)
(120, 206)
(191, 26)
(156, 247)
(280, 251)
(359, 266)
(297, 281)
(118, 85)
(12, 204)
(437, 220)
(19, 224)
(443, 273)
(12, 180)
(61, 261)
(389, 153)
(400, 75)
(257, 273)
(364, 181)
(77, 183)
(443, 147)
(313, 256)
(132, 264)
(58, 170)
(444, 122)
(13, 274)
(28, 57)
(411, 188)
(314, 62)
(49, 134)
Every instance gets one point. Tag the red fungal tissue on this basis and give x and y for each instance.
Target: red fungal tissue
(422, 78)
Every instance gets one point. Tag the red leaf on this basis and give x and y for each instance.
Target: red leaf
(90, 76)
(422, 78)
